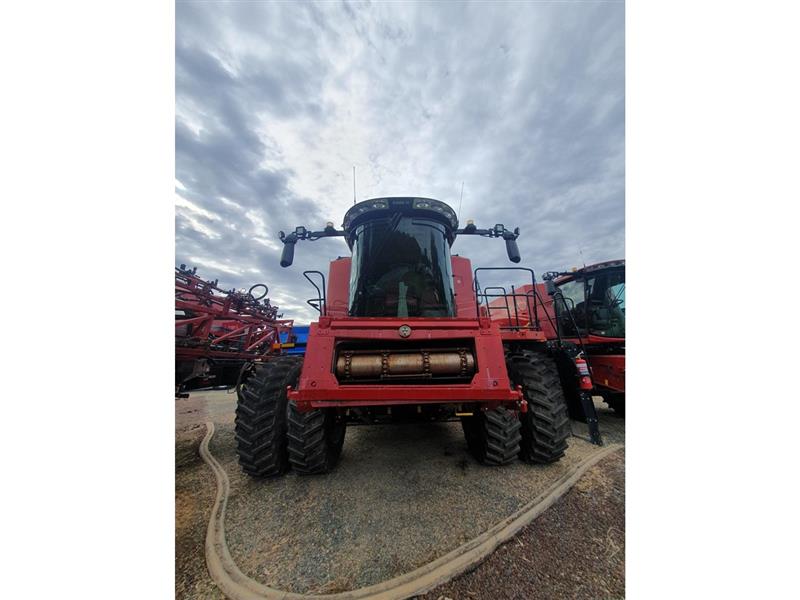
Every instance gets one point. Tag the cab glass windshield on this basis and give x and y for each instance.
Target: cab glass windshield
(605, 295)
(401, 268)
(595, 304)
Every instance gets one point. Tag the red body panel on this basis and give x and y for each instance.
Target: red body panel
(338, 295)
(608, 371)
(462, 284)
(318, 386)
(500, 309)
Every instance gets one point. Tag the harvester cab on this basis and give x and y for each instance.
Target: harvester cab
(401, 263)
(402, 335)
(595, 299)
(590, 310)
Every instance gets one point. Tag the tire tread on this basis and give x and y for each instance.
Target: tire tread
(546, 426)
(260, 422)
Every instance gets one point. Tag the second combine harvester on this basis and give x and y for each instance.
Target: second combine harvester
(402, 336)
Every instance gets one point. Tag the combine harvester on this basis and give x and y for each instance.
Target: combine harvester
(218, 332)
(590, 306)
(402, 335)
(585, 307)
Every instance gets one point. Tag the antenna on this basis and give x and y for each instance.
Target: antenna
(458, 216)
(583, 260)
(354, 184)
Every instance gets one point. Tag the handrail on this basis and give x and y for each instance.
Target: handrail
(319, 303)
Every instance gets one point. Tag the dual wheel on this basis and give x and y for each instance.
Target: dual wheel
(272, 435)
(498, 436)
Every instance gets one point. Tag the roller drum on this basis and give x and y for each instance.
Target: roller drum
(385, 365)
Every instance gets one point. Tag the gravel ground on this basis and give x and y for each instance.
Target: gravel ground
(575, 549)
(359, 525)
(195, 488)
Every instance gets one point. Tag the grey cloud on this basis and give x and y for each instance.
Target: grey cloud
(522, 102)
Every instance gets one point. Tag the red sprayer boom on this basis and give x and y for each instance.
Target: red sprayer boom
(217, 331)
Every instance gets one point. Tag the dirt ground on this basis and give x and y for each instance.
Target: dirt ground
(329, 533)
(575, 549)
(195, 488)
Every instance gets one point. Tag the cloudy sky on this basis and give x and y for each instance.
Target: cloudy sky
(276, 101)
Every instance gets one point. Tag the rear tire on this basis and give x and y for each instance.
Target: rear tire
(261, 417)
(545, 427)
(493, 436)
(314, 439)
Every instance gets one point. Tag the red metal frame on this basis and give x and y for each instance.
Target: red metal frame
(223, 323)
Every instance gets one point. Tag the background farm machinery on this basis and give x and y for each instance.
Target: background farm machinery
(217, 331)
(590, 308)
(584, 307)
(294, 341)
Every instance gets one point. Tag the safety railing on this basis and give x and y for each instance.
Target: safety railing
(529, 319)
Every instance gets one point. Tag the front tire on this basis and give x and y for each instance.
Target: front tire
(314, 439)
(545, 427)
(493, 436)
(261, 417)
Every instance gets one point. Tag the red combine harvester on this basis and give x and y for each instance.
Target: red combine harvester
(402, 335)
(591, 310)
(217, 332)
(585, 307)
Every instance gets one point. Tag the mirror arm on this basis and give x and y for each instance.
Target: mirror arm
(497, 231)
(301, 233)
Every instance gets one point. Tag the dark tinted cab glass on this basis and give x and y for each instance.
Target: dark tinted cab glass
(401, 268)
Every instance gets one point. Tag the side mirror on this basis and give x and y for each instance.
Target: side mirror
(287, 254)
(550, 286)
(512, 250)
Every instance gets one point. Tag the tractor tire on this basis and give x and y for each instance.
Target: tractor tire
(493, 436)
(545, 426)
(260, 428)
(314, 439)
